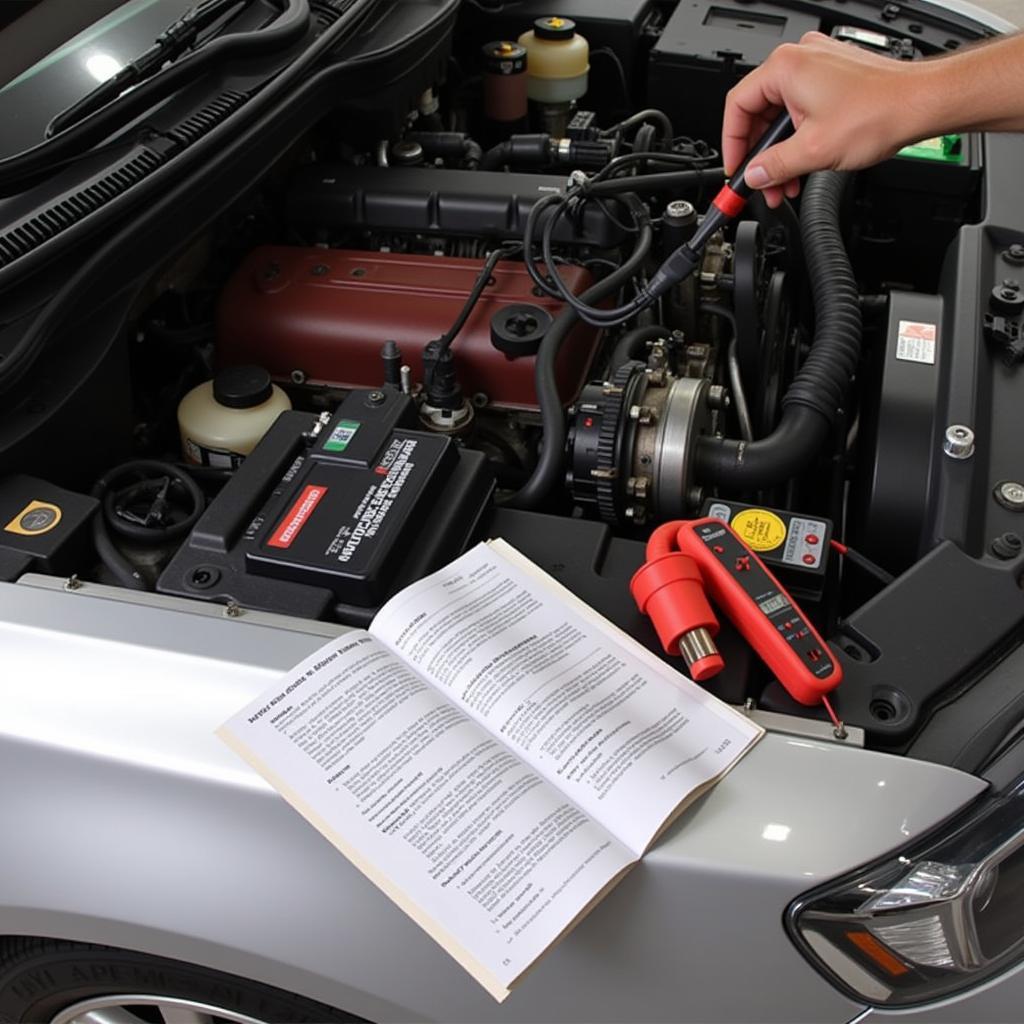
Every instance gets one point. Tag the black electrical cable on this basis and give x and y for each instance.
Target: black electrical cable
(586, 312)
(548, 470)
(482, 280)
(665, 181)
(663, 160)
(658, 117)
(739, 396)
(813, 402)
(48, 155)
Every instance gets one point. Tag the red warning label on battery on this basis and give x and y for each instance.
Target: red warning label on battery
(296, 518)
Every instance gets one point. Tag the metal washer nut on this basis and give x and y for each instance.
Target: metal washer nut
(1010, 494)
(959, 441)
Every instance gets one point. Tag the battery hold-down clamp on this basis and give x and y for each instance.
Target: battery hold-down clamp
(691, 560)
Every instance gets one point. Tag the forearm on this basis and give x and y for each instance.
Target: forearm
(980, 89)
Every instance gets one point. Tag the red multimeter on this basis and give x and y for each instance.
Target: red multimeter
(760, 608)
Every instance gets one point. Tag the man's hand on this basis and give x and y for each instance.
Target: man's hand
(850, 108)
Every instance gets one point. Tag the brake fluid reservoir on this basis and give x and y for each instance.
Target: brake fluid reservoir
(223, 419)
(558, 61)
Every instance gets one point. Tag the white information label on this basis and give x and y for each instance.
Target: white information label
(915, 341)
(720, 511)
(805, 542)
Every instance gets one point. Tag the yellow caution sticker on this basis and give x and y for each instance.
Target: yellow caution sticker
(35, 518)
(759, 529)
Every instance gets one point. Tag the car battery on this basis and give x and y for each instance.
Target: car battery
(706, 48)
(329, 520)
(794, 547)
(342, 520)
(43, 528)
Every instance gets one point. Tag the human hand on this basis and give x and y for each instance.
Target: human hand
(850, 108)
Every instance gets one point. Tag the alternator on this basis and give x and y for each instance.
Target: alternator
(631, 443)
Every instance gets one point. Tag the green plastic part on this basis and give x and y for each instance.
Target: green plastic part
(945, 149)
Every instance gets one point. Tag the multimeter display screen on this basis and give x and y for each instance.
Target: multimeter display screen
(773, 604)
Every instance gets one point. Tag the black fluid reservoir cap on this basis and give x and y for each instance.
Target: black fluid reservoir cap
(242, 387)
(518, 329)
(554, 28)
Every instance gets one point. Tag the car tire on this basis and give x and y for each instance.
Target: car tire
(42, 979)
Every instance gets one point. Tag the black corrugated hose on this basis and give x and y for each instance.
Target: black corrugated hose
(816, 397)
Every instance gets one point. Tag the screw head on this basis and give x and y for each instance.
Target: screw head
(233, 610)
(203, 577)
(376, 397)
(1010, 494)
(1015, 254)
(959, 441)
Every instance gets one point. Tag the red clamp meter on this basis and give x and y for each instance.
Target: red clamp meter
(753, 599)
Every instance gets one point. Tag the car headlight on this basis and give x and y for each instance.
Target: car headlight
(940, 916)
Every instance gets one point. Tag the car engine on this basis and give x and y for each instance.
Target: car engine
(381, 352)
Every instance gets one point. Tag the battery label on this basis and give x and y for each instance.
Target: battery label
(297, 517)
(395, 466)
(341, 436)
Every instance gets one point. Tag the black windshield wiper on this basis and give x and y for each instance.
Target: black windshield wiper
(176, 39)
(27, 167)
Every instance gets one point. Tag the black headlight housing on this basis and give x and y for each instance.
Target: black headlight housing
(936, 918)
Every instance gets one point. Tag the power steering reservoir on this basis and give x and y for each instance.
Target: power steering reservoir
(558, 62)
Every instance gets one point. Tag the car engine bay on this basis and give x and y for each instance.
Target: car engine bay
(399, 338)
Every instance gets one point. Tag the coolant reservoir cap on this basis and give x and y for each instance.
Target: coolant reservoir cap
(242, 387)
(554, 28)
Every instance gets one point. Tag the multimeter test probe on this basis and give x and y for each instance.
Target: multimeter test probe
(689, 561)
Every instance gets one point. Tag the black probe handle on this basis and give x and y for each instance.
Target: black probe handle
(781, 128)
(725, 207)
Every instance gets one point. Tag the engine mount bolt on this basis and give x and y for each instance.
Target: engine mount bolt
(959, 441)
(1010, 494)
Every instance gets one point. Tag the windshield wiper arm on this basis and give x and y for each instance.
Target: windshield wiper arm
(175, 40)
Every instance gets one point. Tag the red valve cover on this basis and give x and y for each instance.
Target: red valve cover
(328, 312)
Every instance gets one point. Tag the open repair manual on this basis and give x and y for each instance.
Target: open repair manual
(493, 754)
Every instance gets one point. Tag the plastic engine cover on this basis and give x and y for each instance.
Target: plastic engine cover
(323, 315)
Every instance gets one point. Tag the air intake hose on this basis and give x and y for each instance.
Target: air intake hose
(816, 397)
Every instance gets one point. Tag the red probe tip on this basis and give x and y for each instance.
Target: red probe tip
(705, 668)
